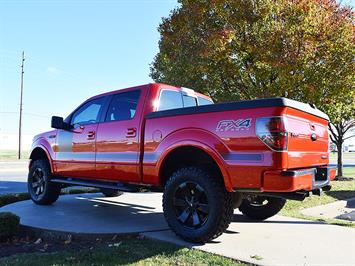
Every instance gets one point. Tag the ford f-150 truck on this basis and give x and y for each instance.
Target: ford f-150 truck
(208, 159)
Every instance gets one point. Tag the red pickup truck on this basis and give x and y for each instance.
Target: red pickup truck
(208, 159)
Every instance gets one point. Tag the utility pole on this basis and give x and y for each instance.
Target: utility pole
(20, 120)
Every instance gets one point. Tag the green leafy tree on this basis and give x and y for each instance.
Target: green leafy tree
(246, 49)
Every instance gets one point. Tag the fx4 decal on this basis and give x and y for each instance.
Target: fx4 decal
(233, 125)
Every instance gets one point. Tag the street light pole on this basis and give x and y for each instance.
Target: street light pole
(20, 120)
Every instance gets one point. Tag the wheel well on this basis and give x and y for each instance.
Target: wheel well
(187, 156)
(39, 153)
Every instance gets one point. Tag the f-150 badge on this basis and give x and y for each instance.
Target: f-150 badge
(233, 125)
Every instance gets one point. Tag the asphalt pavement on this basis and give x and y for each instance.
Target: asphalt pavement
(13, 176)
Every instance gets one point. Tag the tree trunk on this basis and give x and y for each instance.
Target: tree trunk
(340, 158)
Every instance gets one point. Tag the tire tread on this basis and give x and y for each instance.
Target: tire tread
(225, 210)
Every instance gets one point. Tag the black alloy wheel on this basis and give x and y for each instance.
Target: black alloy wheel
(191, 205)
(41, 190)
(38, 182)
(196, 205)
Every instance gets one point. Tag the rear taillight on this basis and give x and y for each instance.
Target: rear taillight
(272, 131)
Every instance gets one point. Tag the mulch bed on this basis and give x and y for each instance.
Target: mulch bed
(343, 178)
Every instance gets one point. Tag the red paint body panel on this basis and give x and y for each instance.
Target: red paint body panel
(244, 160)
(275, 182)
(118, 145)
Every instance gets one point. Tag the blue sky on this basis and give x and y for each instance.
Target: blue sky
(74, 50)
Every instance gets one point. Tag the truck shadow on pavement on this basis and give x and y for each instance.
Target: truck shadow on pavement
(239, 218)
(118, 203)
(7, 187)
(341, 195)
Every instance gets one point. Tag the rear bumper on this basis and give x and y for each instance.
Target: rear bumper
(298, 180)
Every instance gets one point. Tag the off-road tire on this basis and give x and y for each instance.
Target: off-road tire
(237, 199)
(108, 192)
(260, 213)
(49, 192)
(218, 200)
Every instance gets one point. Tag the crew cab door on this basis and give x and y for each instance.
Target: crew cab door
(118, 138)
(75, 154)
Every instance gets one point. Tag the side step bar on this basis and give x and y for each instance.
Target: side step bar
(97, 184)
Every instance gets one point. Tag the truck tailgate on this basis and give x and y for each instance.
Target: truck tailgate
(308, 139)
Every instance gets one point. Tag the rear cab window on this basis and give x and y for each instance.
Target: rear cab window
(189, 101)
(173, 99)
(204, 101)
(170, 99)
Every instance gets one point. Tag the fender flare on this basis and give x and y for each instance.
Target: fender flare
(42, 144)
(182, 138)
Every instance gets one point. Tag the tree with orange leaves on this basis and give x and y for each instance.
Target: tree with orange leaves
(247, 49)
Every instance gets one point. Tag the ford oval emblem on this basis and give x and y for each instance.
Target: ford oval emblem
(313, 137)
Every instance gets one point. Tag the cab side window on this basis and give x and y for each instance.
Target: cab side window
(88, 113)
(123, 106)
(189, 101)
(203, 101)
(170, 100)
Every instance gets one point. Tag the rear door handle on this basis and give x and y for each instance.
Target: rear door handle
(131, 132)
(91, 134)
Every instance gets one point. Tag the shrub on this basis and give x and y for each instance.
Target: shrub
(11, 198)
(9, 225)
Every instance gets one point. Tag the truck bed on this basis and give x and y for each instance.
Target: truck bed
(239, 149)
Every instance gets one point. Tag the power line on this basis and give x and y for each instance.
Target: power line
(25, 113)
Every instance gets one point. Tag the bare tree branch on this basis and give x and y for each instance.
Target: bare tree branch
(349, 137)
(349, 126)
(333, 133)
(332, 139)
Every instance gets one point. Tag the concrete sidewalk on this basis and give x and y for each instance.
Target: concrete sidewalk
(277, 241)
(342, 209)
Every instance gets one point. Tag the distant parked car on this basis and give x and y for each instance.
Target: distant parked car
(351, 148)
(333, 147)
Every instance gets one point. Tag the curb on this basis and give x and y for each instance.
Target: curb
(48, 234)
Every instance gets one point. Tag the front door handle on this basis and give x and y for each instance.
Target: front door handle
(131, 132)
(91, 134)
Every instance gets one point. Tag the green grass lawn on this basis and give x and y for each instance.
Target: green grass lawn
(129, 252)
(346, 155)
(12, 155)
(349, 172)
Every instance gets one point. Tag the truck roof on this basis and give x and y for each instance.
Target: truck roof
(148, 85)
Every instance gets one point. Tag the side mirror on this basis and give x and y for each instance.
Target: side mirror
(58, 123)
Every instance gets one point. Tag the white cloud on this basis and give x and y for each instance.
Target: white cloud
(53, 70)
